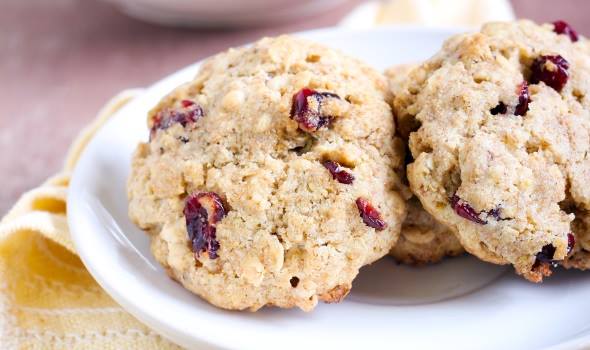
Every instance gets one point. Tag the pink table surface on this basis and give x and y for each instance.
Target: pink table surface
(61, 60)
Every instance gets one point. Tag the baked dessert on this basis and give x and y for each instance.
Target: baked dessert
(270, 178)
(423, 240)
(500, 141)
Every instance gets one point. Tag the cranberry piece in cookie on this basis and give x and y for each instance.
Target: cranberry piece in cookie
(202, 212)
(187, 103)
(546, 254)
(501, 108)
(563, 28)
(571, 242)
(550, 69)
(545, 258)
(521, 107)
(495, 213)
(189, 113)
(370, 215)
(464, 210)
(310, 118)
(523, 99)
(338, 172)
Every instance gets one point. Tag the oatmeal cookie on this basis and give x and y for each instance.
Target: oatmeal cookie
(423, 240)
(500, 141)
(270, 178)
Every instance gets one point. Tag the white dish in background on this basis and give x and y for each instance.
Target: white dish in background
(220, 13)
(461, 303)
(429, 13)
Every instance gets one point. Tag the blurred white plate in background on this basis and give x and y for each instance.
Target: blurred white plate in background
(431, 13)
(218, 13)
(461, 303)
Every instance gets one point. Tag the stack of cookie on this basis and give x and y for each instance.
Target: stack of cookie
(280, 170)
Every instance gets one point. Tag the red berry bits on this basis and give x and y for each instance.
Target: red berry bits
(202, 212)
(523, 99)
(550, 69)
(309, 118)
(189, 113)
(571, 242)
(186, 103)
(370, 215)
(522, 105)
(495, 213)
(338, 172)
(545, 255)
(501, 108)
(465, 211)
(563, 28)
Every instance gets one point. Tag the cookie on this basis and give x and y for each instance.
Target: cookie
(423, 240)
(397, 77)
(580, 257)
(501, 139)
(270, 178)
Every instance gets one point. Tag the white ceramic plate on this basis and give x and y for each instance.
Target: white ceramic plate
(219, 13)
(461, 303)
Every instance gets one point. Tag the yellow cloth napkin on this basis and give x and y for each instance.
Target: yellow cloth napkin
(48, 300)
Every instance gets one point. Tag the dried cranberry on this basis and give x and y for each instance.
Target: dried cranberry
(546, 254)
(202, 212)
(523, 99)
(499, 109)
(495, 213)
(370, 215)
(561, 27)
(464, 210)
(188, 114)
(550, 69)
(338, 173)
(571, 242)
(523, 102)
(186, 103)
(310, 120)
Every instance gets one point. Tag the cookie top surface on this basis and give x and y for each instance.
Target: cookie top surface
(501, 141)
(258, 170)
(423, 240)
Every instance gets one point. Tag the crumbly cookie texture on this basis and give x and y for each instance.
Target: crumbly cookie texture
(423, 240)
(270, 179)
(580, 258)
(500, 142)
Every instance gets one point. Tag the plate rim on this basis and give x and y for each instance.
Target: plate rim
(77, 227)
